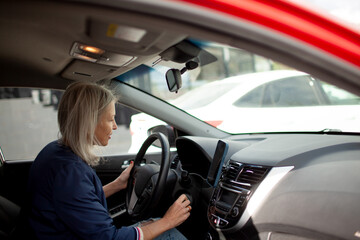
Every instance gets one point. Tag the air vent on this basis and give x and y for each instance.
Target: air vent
(233, 170)
(244, 176)
(251, 175)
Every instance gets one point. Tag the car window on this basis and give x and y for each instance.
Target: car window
(231, 62)
(290, 92)
(28, 120)
(337, 96)
(26, 113)
(251, 99)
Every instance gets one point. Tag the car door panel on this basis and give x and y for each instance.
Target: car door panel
(13, 180)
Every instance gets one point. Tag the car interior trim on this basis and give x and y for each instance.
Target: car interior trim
(146, 104)
(2, 158)
(270, 181)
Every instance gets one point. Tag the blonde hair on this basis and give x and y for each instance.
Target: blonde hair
(79, 110)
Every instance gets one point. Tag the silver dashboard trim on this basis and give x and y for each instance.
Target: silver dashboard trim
(263, 190)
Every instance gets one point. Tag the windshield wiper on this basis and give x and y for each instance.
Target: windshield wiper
(331, 130)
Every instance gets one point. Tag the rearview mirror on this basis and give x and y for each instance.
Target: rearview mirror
(173, 79)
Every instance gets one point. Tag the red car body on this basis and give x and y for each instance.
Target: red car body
(294, 20)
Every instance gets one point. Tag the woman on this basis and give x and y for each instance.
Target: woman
(66, 196)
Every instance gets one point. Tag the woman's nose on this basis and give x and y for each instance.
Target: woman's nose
(115, 125)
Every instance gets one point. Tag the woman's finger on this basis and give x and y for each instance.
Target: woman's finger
(182, 198)
(131, 165)
(188, 208)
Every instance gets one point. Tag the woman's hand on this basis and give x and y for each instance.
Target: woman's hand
(178, 212)
(119, 183)
(175, 215)
(122, 180)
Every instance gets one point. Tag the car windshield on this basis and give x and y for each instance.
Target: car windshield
(202, 96)
(245, 93)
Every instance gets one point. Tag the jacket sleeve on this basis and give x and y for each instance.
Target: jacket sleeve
(80, 208)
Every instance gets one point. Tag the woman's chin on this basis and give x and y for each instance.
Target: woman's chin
(102, 144)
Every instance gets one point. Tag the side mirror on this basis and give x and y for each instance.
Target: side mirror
(173, 80)
(167, 131)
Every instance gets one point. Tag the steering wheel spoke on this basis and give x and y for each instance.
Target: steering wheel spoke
(132, 202)
(147, 183)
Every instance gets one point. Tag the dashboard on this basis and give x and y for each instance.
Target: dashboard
(272, 186)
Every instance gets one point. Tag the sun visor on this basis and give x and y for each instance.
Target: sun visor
(186, 51)
(87, 71)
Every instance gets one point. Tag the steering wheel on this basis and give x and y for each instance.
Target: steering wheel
(146, 183)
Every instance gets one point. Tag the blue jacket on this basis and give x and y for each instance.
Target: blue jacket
(67, 199)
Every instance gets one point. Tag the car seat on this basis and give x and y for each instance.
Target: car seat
(9, 215)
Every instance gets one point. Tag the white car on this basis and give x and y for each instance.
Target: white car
(285, 100)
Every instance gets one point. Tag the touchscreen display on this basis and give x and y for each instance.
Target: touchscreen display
(228, 197)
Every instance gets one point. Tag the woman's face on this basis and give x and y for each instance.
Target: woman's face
(106, 125)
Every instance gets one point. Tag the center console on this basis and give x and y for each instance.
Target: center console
(236, 185)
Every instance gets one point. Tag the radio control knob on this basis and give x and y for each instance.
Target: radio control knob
(235, 212)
